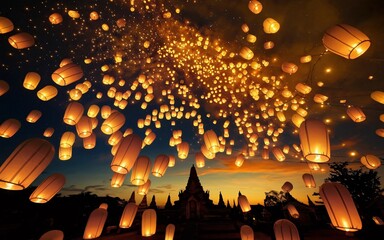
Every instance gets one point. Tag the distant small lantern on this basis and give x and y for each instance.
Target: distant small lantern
(113, 123)
(93, 110)
(73, 14)
(121, 22)
(285, 229)
(90, 141)
(289, 68)
(47, 93)
(84, 127)
(25, 164)
(105, 111)
(378, 96)
(67, 139)
(9, 127)
(52, 235)
(21, 40)
(244, 204)
(346, 41)
(269, 45)
(172, 161)
(278, 153)
(245, 28)
(6, 25)
(246, 233)
(303, 88)
(48, 188)
(55, 18)
(48, 132)
(309, 181)
(246, 53)
(160, 165)
(67, 74)
(270, 25)
(126, 154)
(31, 80)
(148, 223)
(306, 59)
(65, 153)
(211, 141)
(239, 160)
(33, 116)
(95, 223)
(370, 161)
(199, 160)
(287, 187)
(143, 189)
(340, 207)
(255, 6)
(128, 215)
(293, 211)
(4, 87)
(356, 114)
(183, 150)
(94, 15)
(170, 231)
(140, 170)
(378, 220)
(117, 180)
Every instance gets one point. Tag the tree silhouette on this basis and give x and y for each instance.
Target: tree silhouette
(364, 186)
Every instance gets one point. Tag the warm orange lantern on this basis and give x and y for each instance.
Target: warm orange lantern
(75, 94)
(199, 159)
(239, 160)
(67, 139)
(121, 22)
(47, 93)
(9, 127)
(309, 181)
(346, 41)
(269, 45)
(67, 74)
(113, 123)
(115, 138)
(126, 154)
(33, 116)
(314, 139)
(278, 153)
(25, 164)
(370, 161)
(94, 15)
(140, 170)
(340, 207)
(293, 211)
(4, 87)
(183, 150)
(128, 215)
(356, 114)
(84, 127)
(105, 111)
(209, 155)
(117, 180)
(211, 141)
(265, 154)
(246, 53)
(303, 88)
(378, 96)
(48, 132)
(90, 141)
(285, 229)
(170, 231)
(55, 18)
(255, 6)
(143, 189)
(21, 40)
(270, 25)
(93, 110)
(246, 233)
(6, 25)
(287, 187)
(31, 80)
(160, 165)
(244, 204)
(148, 223)
(289, 68)
(65, 153)
(52, 235)
(148, 140)
(48, 188)
(172, 161)
(95, 223)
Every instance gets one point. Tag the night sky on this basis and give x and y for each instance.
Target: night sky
(191, 51)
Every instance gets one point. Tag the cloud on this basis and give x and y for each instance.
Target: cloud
(168, 186)
(72, 188)
(155, 190)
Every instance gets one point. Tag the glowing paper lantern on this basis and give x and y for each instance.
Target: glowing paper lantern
(64, 62)
(346, 41)
(199, 159)
(143, 189)
(140, 170)
(314, 139)
(255, 6)
(244, 204)
(52, 235)
(148, 223)
(239, 160)
(6, 25)
(21, 40)
(48, 188)
(306, 59)
(246, 233)
(25, 164)
(378, 220)
(55, 18)
(265, 154)
(319, 98)
(4, 87)
(278, 153)
(340, 207)
(128, 215)
(285, 230)
(93, 110)
(94, 15)
(113, 123)
(356, 114)
(89, 142)
(370, 161)
(293, 211)
(270, 25)
(378, 96)
(246, 53)
(47, 93)
(104, 206)
(126, 154)
(207, 153)
(95, 223)
(289, 68)
(117, 180)
(245, 28)
(170, 231)
(211, 141)
(105, 111)
(84, 127)
(121, 22)
(309, 181)
(269, 45)
(160, 165)
(48, 132)
(9, 127)
(183, 150)
(33, 116)
(303, 88)
(67, 139)
(65, 153)
(287, 187)
(31, 80)
(148, 140)
(67, 74)
(172, 161)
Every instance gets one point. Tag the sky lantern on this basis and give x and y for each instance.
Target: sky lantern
(370, 161)
(4, 87)
(126, 154)
(345, 41)
(48, 188)
(6, 25)
(246, 233)
(90, 141)
(148, 140)
(287, 187)
(129, 214)
(309, 181)
(52, 235)
(64, 62)
(140, 170)
(113, 123)
(183, 150)
(270, 25)
(289, 68)
(303, 88)
(199, 160)
(244, 204)
(67, 74)
(21, 40)
(206, 153)
(306, 59)
(320, 98)
(65, 153)
(265, 153)
(246, 53)
(380, 132)
(378, 220)
(143, 189)
(255, 6)
(47, 93)
(285, 229)
(67, 139)
(33, 116)
(245, 28)
(170, 231)
(314, 139)
(293, 211)
(25, 164)
(75, 94)
(148, 223)
(9, 127)
(93, 15)
(340, 207)
(121, 22)
(95, 223)
(48, 132)
(211, 141)
(73, 113)
(117, 180)
(115, 138)
(172, 161)
(378, 96)
(278, 153)
(105, 111)
(239, 160)
(251, 38)
(84, 127)
(73, 14)
(356, 114)
(93, 110)
(269, 45)
(160, 165)
(31, 80)
(55, 18)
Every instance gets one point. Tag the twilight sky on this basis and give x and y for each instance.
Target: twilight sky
(191, 51)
